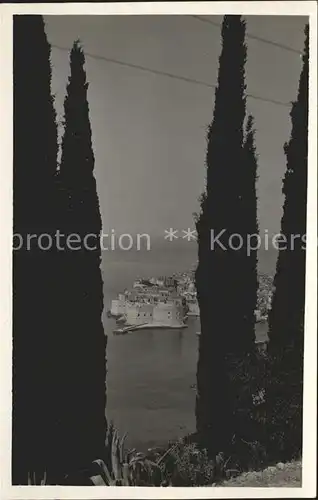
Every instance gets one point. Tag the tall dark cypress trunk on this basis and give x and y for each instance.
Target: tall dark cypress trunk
(251, 375)
(286, 319)
(227, 324)
(250, 228)
(83, 366)
(34, 170)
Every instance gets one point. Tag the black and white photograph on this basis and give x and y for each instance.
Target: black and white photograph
(162, 272)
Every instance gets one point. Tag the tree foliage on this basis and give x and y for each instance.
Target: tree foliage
(226, 278)
(83, 344)
(34, 278)
(286, 320)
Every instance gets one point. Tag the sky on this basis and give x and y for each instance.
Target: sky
(149, 130)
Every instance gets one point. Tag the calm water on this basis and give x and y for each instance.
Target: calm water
(150, 373)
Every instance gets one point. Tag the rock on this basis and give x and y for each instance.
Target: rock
(271, 470)
(252, 475)
(280, 465)
(257, 474)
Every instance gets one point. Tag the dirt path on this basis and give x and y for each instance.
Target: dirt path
(282, 475)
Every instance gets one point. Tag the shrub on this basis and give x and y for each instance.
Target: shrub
(182, 464)
(187, 465)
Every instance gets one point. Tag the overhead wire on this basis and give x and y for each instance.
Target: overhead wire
(253, 37)
(168, 75)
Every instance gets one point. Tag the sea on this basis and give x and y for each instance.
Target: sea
(151, 374)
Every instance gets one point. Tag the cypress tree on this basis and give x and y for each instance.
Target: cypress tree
(34, 170)
(250, 227)
(227, 323)
(83, 366)
(286, 319)
(251, 375)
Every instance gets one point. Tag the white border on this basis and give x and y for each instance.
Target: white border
(290, 8)
(8, 492)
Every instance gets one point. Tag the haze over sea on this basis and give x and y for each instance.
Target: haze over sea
(151, 373)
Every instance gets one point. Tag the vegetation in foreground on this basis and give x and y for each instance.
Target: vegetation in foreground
(182, 463)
